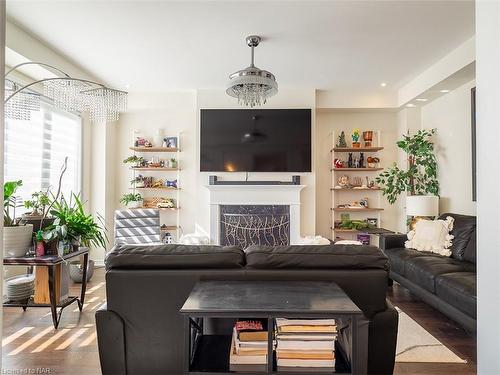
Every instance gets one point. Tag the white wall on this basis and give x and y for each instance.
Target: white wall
(451, 116)
(326, 122)
(488, 203)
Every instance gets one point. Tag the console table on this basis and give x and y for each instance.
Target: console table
(209, 354)
(51, 261)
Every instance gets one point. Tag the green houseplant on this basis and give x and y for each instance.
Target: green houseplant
(73, 227)
(137, 161)
(132, 200)
(420, 177)
(16, 236)
(37, 204)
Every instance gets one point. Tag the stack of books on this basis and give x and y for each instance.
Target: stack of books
(249, 347)
(306, 345)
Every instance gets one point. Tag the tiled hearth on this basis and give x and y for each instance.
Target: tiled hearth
(244, 225)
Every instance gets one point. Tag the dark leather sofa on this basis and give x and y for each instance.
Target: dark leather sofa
(140, 331)
(446, 283)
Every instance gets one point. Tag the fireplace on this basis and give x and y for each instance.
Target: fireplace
(245, 225)
(242, 215)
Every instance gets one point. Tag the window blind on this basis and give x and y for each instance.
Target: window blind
(35, 150)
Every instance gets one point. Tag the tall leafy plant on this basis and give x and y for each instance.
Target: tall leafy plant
(10, 202)
(420, 177)
(71, 223)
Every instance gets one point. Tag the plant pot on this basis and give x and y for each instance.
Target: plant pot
(36, 221)
(76, 271)
(356, 144)
(135, 204)
(17, 240)
(64, 247)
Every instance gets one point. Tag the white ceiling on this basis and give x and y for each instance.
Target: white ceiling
(160, 45)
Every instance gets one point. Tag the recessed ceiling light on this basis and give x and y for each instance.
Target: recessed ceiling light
(421, 99)
(444, 91)
(410, 105)
(383, 84)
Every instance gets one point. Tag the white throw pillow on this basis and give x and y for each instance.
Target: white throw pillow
(313, 240)
(432, 235)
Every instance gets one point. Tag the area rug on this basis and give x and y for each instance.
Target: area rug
(415, 344)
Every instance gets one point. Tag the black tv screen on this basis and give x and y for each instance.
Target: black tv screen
(248, 140)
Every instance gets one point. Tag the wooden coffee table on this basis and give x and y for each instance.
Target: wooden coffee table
(209, 354)
(51, 261)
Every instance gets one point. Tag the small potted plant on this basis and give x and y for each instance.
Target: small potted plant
(132, 200)
(17, 237)
(37, 206)
(138, 181)
(355, 138)
(173, 163)
(136, 161)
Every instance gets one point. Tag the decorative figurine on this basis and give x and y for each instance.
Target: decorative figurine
(349, 161)
(168, 238)
(344, 182)
(368, 138)
(355, 164)
(172, 184)
(364, 202)
(361, 160)
(372, 161)
(372, 221)
(355, 138)
(337, 163)
(173, 163)
(357, 182)
(342, 142)
(165, 203)
(158, 184)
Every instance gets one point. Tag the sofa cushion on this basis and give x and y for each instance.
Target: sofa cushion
(316, 257)
(463, 226)
(470, 250)
(423, 270)
(174, 256)
(459, 290)
(399, 256)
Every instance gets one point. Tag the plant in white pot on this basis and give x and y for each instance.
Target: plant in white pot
(17, 238)
(132, 200)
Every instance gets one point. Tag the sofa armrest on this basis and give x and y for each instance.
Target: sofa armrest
(391, 241)
(111, 341)
(383, 333)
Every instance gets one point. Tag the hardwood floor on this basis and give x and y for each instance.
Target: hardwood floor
(30, 342)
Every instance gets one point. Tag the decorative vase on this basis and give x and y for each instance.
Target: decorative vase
(17, 240)
(368, 138)
(64, 247)
(76, 271)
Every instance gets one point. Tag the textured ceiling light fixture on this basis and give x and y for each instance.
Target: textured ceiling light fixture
(70, 94)
(252, 86)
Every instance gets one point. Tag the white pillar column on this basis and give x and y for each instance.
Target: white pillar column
(488, 199)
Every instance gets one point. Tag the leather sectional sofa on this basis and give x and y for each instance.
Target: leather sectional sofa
(141, 332)
(446, 283)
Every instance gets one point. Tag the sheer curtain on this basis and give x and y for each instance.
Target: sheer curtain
(35, 151)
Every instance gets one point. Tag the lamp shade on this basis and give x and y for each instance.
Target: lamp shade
(422, 205)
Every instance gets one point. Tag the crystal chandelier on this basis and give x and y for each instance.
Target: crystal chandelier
(252, 86)
(67, 93)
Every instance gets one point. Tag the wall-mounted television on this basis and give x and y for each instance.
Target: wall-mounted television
(255, 140)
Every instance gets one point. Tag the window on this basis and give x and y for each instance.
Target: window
(35, 151)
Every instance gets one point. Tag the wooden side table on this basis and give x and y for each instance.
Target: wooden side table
(51, 261)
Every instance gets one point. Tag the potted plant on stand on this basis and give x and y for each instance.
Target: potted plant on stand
(38, 205)
(17, 238)
(132, 200)
(72, 228)
(420, 177)
(136, 161)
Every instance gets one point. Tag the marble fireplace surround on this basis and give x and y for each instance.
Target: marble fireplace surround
(254, 195)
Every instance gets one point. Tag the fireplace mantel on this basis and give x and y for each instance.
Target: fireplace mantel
(255, 195)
